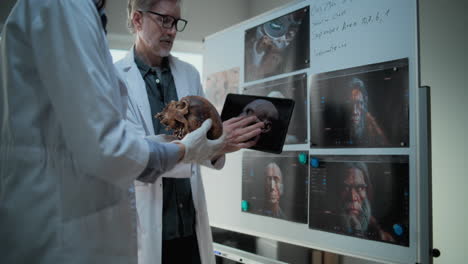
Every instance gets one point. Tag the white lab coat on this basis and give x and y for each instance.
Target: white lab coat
(149, 196)
(67, 158)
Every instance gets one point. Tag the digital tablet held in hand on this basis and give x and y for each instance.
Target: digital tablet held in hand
(274, 112)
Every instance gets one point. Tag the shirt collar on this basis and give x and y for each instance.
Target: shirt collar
(145, 68)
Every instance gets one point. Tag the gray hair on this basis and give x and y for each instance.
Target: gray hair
(357, 83)
(135, 5)
(365, 171)
(275, 167)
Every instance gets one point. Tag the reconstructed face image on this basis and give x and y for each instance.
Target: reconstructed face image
(219, 85)
(366, 106)
(275, 113)
(295, 88)
(358, 113)
(356, 208)
(361, 196)
(278, 46)
(275, 185)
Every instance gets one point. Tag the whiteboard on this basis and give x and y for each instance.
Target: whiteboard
(344, 34)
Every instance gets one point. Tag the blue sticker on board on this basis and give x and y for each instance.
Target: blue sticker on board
(244, 205)
(398, 229)
(314, 162)
(302, 158)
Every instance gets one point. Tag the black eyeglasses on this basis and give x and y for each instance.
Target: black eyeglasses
(169, 21)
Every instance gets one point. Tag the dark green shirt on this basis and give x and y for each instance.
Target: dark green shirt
(178, 209)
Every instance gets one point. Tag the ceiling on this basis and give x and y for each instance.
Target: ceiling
(205, 18)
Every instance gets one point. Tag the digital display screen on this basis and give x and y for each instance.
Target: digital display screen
(275, 113)
(365, 106)
(275, 185)
(293, 87)
(361, 196)
(278, 46)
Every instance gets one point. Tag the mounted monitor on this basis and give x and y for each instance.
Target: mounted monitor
(366, 106)
(365, 197)
(277, 46)
(275, 185)
(293, 87)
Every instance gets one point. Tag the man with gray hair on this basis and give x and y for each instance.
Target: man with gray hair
(364, 129)
(356, 193)
(273, 190)
(173, 220)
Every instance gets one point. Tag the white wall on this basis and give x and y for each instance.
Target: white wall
(444, 67)
(258, 7)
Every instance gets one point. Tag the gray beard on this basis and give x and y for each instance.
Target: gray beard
(358, 224)
(358, 131)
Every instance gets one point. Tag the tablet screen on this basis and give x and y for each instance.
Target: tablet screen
(274, 112)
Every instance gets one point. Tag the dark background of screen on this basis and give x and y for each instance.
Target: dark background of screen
(293, 87)
(390, 202)
(295, 181)
(296, 54)
(388, 103)
(272, 141)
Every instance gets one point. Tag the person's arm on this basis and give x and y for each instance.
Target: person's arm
(154, 169)
(74, 63)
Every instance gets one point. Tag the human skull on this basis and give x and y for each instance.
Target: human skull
(187, 114)
(265, 111)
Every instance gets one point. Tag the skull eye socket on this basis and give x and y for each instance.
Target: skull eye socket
(267, 126)
(181, 105)
(249, 111)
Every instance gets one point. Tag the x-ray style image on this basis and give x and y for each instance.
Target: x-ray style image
(275, 113)
(294, 87)
(365, 106)
(361, 196)
(275, 185)
(219, 85)
(278, 46)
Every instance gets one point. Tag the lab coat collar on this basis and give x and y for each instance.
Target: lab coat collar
(175, 65)
(129, 61)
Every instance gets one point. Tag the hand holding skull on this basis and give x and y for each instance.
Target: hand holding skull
(188, 118)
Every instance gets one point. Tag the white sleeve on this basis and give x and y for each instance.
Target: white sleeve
(74, 64)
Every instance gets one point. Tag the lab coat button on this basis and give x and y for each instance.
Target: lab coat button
(157, 80)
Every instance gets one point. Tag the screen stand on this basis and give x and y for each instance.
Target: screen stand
(426, 250)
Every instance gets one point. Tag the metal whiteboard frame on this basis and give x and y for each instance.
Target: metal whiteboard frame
(418, 152)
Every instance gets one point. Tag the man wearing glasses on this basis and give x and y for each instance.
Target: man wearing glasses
(172, 216)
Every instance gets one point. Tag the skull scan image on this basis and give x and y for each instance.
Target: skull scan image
(188, 114)
(265, 112)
